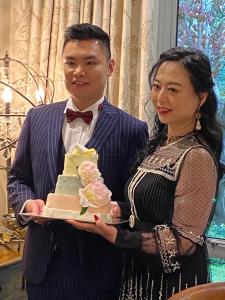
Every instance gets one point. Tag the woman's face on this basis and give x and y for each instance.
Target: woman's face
(174, 97)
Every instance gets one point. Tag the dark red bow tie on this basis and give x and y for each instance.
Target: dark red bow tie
(72, 115)
(87, 116)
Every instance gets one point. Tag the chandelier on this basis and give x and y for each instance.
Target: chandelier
(21, 88)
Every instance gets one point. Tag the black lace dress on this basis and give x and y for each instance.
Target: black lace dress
(171, 196)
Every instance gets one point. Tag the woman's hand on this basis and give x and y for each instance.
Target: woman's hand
(116, 211)
(109, 232)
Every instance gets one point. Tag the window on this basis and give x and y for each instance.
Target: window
(201, 24)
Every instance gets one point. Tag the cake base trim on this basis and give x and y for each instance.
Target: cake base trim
(35, 215)
(75, 215)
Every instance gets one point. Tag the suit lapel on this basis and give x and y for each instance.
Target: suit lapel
(105, 125)
(55, 123)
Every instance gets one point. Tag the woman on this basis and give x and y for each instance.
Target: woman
(171, 192)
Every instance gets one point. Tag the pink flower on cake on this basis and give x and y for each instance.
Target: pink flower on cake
(95, 194)
(89, 172)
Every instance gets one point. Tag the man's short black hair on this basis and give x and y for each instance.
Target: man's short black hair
(86, 31)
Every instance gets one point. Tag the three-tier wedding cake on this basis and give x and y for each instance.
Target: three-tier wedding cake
(80, 192)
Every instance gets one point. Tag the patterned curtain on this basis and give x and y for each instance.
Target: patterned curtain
(37, 29)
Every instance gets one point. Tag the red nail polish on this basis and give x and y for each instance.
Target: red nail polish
(96, 218)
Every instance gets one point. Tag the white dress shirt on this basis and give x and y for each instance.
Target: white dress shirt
(77, 131)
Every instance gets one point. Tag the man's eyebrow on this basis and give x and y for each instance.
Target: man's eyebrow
(91, 57)
(69, 57)
(85, 58)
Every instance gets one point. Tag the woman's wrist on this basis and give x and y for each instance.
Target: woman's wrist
(111, 234)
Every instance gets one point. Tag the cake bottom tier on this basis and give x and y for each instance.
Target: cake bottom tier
(68, 207)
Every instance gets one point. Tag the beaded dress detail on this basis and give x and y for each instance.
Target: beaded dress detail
(171, 196)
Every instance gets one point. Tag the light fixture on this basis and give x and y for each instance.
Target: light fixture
(21, 88)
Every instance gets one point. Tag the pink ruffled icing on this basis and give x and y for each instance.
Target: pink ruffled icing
(89, 172)
(95, 194)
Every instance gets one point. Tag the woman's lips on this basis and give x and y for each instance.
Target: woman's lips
(163, 110)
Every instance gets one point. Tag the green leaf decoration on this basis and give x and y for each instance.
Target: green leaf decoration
(83, 210)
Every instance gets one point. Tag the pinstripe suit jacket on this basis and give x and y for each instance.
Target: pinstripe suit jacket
(117, 137)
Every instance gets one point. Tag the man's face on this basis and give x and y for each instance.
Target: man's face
(86, 68)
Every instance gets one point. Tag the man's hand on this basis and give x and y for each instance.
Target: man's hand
(35, 206)
(109, 232)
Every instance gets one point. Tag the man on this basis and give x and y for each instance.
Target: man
(59, 261)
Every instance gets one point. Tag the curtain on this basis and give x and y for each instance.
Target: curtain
(37, 29)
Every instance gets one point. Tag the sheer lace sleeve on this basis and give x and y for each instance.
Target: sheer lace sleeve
(194, 197)
(193, 203)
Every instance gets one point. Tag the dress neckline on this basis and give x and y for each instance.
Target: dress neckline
(176, 139)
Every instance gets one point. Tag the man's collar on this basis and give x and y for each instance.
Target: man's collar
(94, 107)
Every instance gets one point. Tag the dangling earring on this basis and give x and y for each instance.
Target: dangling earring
(198, 124)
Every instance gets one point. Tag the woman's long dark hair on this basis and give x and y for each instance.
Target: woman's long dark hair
(198, 66)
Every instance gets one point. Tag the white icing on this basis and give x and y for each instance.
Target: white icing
(81, 148)
(75, 215)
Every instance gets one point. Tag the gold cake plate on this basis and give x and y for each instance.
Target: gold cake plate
(114, 221)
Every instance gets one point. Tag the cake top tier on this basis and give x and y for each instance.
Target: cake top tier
(76, 157)
(81, 150)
